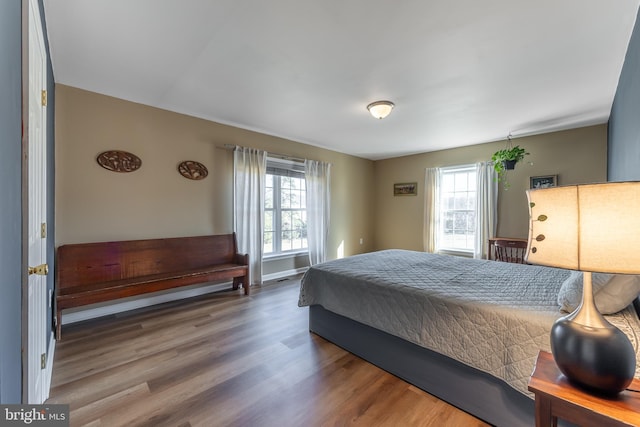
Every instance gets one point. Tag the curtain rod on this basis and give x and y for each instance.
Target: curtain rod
(270, 154)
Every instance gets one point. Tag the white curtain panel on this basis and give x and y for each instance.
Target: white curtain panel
(486, 208)
(250, 168)
(430, 230)
(318, 182)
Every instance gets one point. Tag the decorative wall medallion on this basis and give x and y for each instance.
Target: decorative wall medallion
(193, 170)
(119, 161)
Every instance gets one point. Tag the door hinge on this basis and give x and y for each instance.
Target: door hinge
(43, 230)
(42, 270)
(44, 98)
(43, 361)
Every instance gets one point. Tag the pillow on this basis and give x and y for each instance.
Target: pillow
(611, 292)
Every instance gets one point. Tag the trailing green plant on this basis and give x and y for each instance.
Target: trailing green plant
(512, 154)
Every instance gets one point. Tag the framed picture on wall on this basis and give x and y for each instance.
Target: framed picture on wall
(546, 181)
(405, 189)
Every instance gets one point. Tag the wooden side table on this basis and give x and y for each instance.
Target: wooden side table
(557, 398)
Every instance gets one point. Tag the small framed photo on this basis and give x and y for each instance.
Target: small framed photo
(405, 189)
(546, 181)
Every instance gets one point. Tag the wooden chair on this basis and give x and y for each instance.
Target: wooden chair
(509, 250)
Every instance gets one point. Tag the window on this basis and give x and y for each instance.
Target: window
(285, 213)
(457, 209)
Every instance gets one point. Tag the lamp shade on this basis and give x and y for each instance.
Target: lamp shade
(591, 227)
(380, 109)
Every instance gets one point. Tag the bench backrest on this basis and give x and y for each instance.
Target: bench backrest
(88, 263)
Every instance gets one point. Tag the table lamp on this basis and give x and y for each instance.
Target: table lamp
(592, 228)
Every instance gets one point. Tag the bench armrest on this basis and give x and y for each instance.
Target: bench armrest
(242, 259)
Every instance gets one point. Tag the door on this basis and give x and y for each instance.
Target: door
(37, 213)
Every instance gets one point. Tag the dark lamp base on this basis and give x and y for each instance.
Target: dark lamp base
(600, 360)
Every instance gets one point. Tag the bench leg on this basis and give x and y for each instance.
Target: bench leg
(241, 280)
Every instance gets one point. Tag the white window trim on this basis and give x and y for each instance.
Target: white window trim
(442, 171)
(285, 255)
(459, 252)
(293, 165)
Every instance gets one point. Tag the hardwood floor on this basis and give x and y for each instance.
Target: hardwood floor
(226, 359)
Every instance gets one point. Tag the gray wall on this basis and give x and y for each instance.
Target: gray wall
(11, 196)
(10, 192)
(624, 126)
(51, 235)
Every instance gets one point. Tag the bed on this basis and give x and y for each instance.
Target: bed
(465, 330)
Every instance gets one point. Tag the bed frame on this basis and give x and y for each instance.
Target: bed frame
(467, 388)
(479, 393)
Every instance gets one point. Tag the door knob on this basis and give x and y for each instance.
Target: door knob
(42, 269)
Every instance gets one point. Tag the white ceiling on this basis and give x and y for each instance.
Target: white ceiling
(460, 72)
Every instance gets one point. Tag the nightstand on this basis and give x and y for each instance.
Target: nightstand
(557, 398)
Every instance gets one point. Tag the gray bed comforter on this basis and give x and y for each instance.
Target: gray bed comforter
(490, 315)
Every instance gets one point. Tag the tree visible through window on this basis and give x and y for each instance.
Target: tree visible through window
(457, 209)
(285, 214)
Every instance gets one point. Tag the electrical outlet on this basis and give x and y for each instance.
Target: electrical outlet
(361, 240)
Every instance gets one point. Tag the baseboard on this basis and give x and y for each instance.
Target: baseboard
(48, 374)
(281, 274)
(81, 314)
(106, 309)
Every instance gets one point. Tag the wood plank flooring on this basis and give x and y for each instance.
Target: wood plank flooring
(226, 359)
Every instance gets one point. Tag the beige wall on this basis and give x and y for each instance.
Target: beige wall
(93, 204)
(576, 156)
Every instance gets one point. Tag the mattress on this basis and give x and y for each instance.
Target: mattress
(489, 315)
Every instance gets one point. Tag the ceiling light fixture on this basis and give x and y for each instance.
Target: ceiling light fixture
(380, 109)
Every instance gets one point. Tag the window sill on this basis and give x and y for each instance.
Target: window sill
(466, 254)
(284, 255)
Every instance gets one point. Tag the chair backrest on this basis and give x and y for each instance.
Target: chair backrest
(510, 250)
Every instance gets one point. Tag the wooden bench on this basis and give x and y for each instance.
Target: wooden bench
(89, 273)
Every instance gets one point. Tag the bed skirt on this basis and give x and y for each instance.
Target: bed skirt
(464, 387)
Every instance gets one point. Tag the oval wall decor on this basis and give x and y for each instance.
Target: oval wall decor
(191, 169)
(119, 161)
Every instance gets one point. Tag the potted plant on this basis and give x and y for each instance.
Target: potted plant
(506, 159)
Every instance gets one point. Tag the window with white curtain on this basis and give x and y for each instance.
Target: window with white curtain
(285, 213)
(456, 209)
